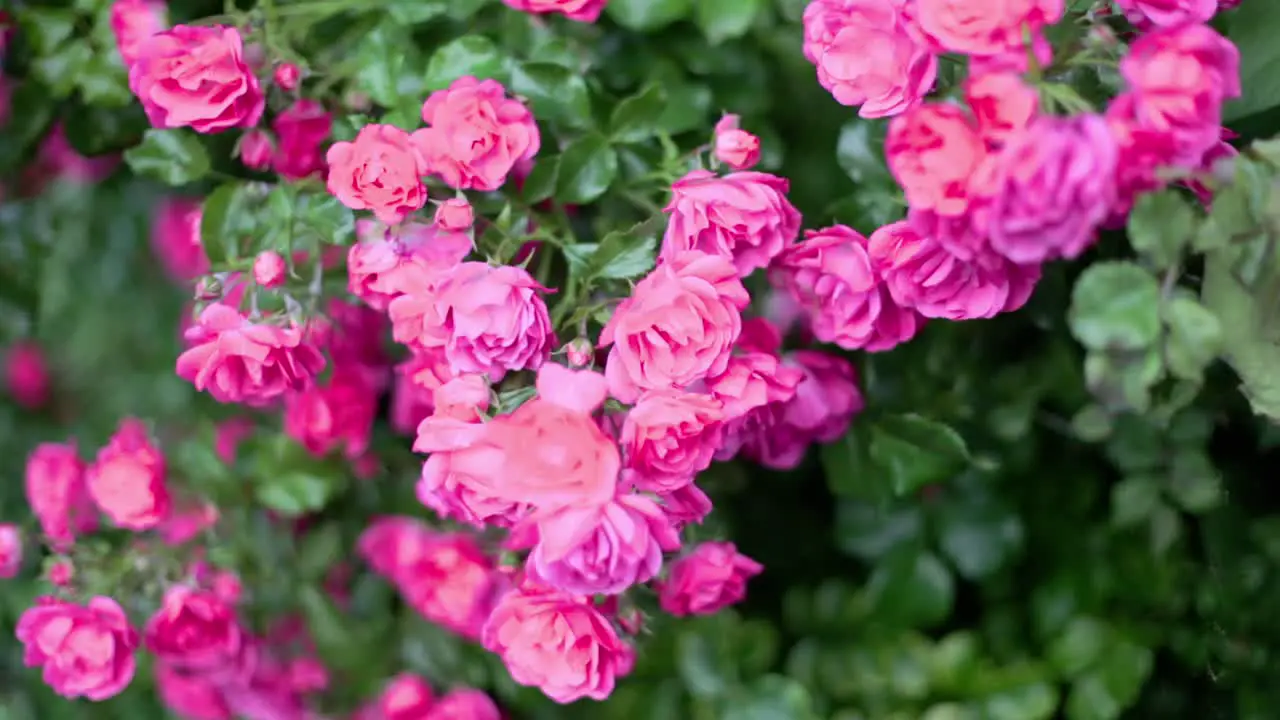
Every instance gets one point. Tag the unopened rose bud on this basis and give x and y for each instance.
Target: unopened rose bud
(454, 215)
(734, 147)
(254, 54)
(269, 269)
(287, 76)
(579, 352)
(61, 573)
(10, 550)
(27, 375)
(256, 150)
(227, 586)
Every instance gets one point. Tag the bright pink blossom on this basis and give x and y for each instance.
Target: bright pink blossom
(385, 263)
(287, 75)
(196, 76)
(706, 580)
(26, 375)
(477, 134)
(127, 480)
(10, 550)
(464, 704)
(1168, 13)
(133, 22)
(256, 149)
(84, 650)
(1001, 103)
(190, 697)
(454, 215)
(686, 505)
(196, 632)
(269, 269)
(237, 360)
(415, 382)
(337, 414)
(381, 170)
(451, 583)
(671, 436)
(824, 404)
(175, 238)
(735, 147)
(743, 216)
(581, 10)
(981, 27)
(405, 697)
(300, 131)
(934, 151)
(57, 495)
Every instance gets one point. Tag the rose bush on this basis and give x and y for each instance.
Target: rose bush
(480, 359)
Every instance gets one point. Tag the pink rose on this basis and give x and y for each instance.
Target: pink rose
(706, 580)
(580, 10)
(192, 698)
(737, 148)
(454, 215)
(133, 22)
(186, 521)
(127, 480)
(380, 171)
(934, 150)
(451, 583)
(61, 573)
(269, 269)
(336, 414)
(300, 131)
(385, 265)
(57, 494)
(175, 238)
(477, 134)
(743, 216)
(671, 436)
(1001, 103)
(85, 650)
(602, 549)
(820, 411)
(1168, 13)
(557, 643)
(228, 435)
(286, 76)
(196, 633)
(464, 704)
(678, 326)
(753, 379)
(405, 697)
(923, 275)
(196, 76)
(393, 545)
(237, 360)
(416, 379)
(26, 375)
(56, 158)
(1016, 59)
(869, 53)
(983, 27)
(1055, 185)
(256, 149)
(10, 550)
(488, 319)
(686, 505)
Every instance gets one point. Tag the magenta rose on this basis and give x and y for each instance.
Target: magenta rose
(127, 480)
(192, 698)
(678, 326)
(464, 704)
(706, 580)
(175, 238)
(477, 134)
(452, 583)
(300, 131)
(669, 437)
(744, 216)
(1168, 13)
(335, 415)
(557, 643)
(196, 633)
(196, 76)
(84, 650)
(10, 550)
(133, 22)
(580, 10)
(57, 495)
(26, 374)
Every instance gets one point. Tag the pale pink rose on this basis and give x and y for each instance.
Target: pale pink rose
(753, 379)
(934, 150)
(869, 53)
(557, 643)
(300, 131)
(454, 215)
(26, 375)
(416, 380)
(707, 580)
(175, 238)
(743, 216)
(488, 319)
(237, 360)
(84, 650)
(381, 170)
(923, 275)
(269, 269)
(196, 632)
(286, 76)
(477, 134)
(127, 480)
(1001, 103)
(256, 149)
(1055, 185)
(581, 10)
(190, 697)
(1168, 13)
(133, 22)
(984, 27)
(737, 148)
(405, 697)
(385, 264)
(10, 550)
(685, 505)
(186, 521)
(678, 326)
(196, 76)
(824, 404)
(57, 494)
(671, 436)
(601, 549)
(337, 414)
(464, 704)
(451, 583)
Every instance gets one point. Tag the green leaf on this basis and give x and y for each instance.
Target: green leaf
(701, 667)
(687, 107)
(104, 82)
(915, 451)
(319, 550)
(60, 70)
(722, 20)
(978, 535)
(636, 118)
(621, 255)
(1194, 482)
(860, 152)
(849, 470)
(473, 55)
(1195, 337)
(1249, 341)
(326, 217)
(1080, 646)
(911, 588)
(555, 92)
(224, 220)
(174, 157)
(1115, 306)
(389, 68)
(95, 130)
(647, 15)
(870, 531)
(772, 697)
(47, 28)
(1133, 500)
(412, 12)
(1160, 225)
(297, 492)
(1251, 28)
(1105, 692)
(587, 168)
(1037, 701)
(325, 622)
(541, 182)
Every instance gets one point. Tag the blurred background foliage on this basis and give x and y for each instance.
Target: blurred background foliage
(990, 542)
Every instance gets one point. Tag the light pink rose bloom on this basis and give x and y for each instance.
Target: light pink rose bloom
(26, 375)
(384, 264)
(190, 697)
(127, 480)
(196, 76)
(416, 380)
(925, 276)
(300, 131)
(743, 216)
(580, 10)
(269, 269)
(338, 414)
(1014, 60)
(84, 650)
(601, 549)
(685, 505)
(1168, 13)
(1055, 185)
(237, 360)
(405, 697)
(869, 53)
(451, 583)
(1144, 152)
(57, 494)
(557, 643)
(824, 404)
(707, 580)
(735, 147)
(10, 550)
(984, 27)
(175, 238)
(381, 170)
(677, 328)
(934, 150)
(671, 436)
(477, 134)
(133, 22)
(1002, 103)
(754, 380)
(464, 704)
(455, 215)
